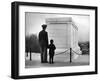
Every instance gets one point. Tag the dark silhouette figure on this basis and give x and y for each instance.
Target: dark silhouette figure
(43, 41)
(51, 51)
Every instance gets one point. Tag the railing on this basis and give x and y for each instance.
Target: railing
(76, 52)
(66, 51)
(70, 51)
(62, 52)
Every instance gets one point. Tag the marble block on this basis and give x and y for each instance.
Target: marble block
(64, 32)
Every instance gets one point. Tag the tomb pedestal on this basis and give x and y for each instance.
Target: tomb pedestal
(64, 32)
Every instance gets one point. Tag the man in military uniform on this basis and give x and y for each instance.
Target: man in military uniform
(43, 41)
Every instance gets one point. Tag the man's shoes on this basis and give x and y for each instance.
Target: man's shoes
(52, 62)
(44, 62)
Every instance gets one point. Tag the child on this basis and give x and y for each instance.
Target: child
(51, 51)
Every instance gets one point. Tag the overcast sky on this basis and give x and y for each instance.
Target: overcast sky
(35, 20)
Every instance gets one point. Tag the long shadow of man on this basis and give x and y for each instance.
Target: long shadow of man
(43, 41)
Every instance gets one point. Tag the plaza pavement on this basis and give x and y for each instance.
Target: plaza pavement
(60, 60)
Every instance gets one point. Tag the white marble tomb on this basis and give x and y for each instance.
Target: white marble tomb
(64, 32)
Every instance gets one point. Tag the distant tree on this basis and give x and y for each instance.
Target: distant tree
(88, 45)
(27, 44)
(32, 43)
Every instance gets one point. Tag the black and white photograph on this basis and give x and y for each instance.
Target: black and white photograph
(51, 40)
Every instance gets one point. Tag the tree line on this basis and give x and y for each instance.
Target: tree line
(32, 44)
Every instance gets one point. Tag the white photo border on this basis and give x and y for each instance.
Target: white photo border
(54, 70)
